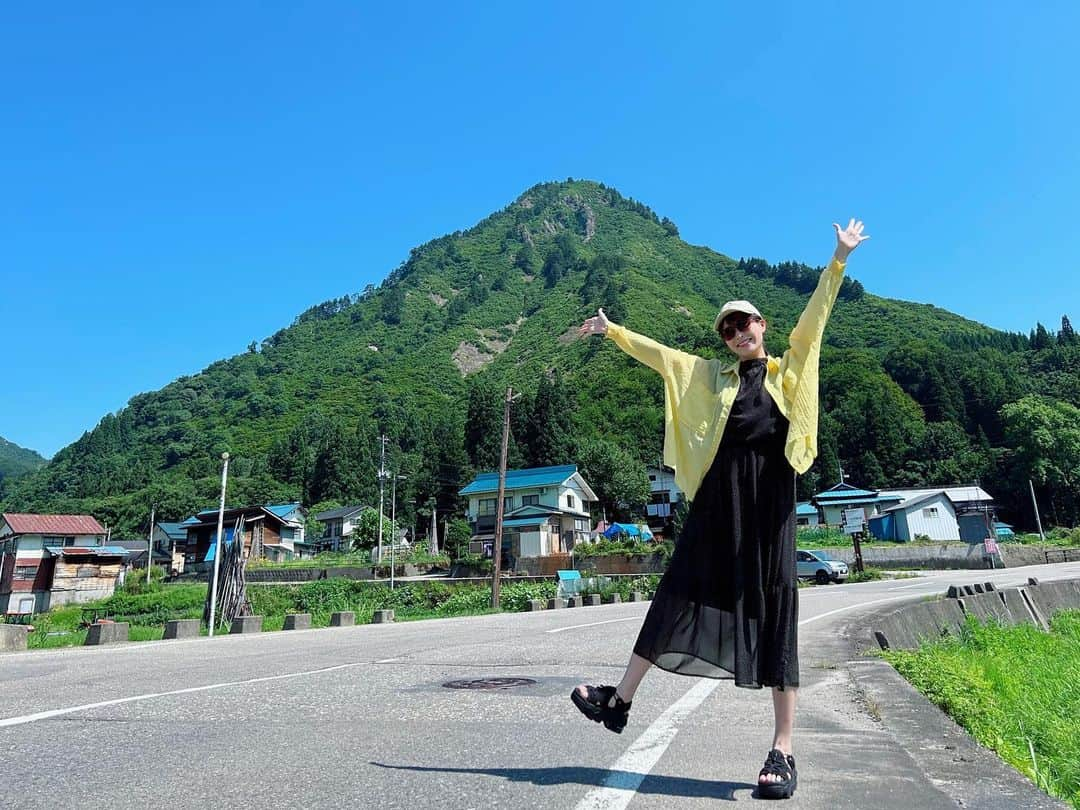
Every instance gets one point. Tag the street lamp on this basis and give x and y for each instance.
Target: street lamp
(393, 523)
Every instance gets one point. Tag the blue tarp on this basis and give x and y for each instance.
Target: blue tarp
(210, 552)
(615, 529)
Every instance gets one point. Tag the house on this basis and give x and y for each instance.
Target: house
(806, 514)
(973, 507)
(51, 560)
(833, 501)
(170, 538)
(545, 510)
(664, 496)
(270, 532)
(930, 515)
(136, 557)
(338, 525)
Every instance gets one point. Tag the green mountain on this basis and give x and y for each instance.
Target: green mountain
(912, 394)
(16, 461)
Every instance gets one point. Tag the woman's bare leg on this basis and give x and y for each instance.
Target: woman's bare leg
(783, 701)
(635, 671)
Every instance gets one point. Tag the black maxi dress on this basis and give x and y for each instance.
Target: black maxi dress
(728, 605)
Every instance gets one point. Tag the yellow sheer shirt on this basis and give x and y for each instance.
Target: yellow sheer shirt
(698, 393)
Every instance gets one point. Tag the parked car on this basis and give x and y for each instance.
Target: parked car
(820, 567)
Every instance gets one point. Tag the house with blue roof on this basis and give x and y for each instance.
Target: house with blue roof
(833, 501)
(545, 511)
(273, 532)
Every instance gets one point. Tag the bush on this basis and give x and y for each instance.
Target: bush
(515, 596)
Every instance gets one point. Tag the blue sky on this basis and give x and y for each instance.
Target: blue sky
(163, 168)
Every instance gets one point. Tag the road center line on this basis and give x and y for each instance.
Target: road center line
(593, 624)
(630, 770)
(30, 718)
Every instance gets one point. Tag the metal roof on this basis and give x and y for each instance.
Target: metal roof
(52, 524)
(282, 510)
(806, 509)
(87, 551)
(533, 521)
(910, 502)
(340, 512)
(528, 478)
(174, 531)
(845, 492)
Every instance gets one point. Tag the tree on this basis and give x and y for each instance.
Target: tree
(366, 530)
(1046, 436)
(619, 480)
(1040, 338)
(550, 438)
(1066, 337)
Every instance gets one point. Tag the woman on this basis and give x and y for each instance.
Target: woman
(736, 432)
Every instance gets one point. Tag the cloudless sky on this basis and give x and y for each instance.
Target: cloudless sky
(176, 182)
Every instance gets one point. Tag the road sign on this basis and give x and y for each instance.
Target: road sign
(853, 520)
(990, 545)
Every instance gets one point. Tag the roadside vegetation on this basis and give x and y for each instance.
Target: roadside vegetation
(1014, 689)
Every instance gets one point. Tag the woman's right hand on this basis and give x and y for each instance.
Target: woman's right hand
(596, 325)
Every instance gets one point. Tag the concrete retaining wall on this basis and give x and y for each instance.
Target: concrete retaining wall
(106, 633)
(907, 627)
(12, 637)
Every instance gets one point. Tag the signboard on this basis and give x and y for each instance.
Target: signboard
(853, 520)
(990, 545)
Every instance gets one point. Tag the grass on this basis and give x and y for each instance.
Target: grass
(1015, 689)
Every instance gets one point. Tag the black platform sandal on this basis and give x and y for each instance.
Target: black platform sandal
(782, 766)
(594, 705)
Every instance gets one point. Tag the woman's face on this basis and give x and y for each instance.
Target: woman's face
(747, 335)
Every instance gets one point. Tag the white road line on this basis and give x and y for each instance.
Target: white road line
(593, 624)
(906, 587)
(30, 718)
(630, 770)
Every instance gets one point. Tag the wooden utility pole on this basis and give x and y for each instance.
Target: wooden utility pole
(150, 544)
(1035, 504)
(496, 546)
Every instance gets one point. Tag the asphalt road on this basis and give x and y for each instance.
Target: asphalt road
(361, 717)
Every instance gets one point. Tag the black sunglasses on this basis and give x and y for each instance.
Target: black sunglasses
(734, 324)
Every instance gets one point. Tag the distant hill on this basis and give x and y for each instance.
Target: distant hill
(912, 394)
(16, 461)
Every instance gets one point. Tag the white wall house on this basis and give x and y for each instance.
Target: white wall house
(545, 510)
(664, 494)
(338, 526)
(932, 515)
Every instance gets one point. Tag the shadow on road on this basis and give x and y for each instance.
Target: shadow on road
(596, 777)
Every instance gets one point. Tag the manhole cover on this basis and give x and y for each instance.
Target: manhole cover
(489, 683)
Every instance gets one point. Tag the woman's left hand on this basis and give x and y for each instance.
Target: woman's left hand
(849, 238)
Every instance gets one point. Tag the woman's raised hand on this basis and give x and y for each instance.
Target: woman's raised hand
(597, 325)
(849, 238)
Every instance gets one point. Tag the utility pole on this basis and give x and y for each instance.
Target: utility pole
(382, 481)
(434, 526)
(497, 544)
(150, 543)
(217, 548)
(1035, 504)
(393, 524)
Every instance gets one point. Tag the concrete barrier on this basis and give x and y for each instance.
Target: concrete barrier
(246, 624)
(907, 627)
(614, 599)
(106, 633)
(556, 603)
(382, 617)
(637, 596)
(297, 621)
(575, 601)
(985, 607)
(12, 637)
(1047, 598)
(182, 628)
(342, 618)
(535, 604)
(592, 600)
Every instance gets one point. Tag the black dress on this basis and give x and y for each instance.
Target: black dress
(728, 605)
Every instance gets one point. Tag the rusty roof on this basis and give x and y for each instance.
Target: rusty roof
(52, 524)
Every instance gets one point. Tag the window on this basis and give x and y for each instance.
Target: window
(660, 497)
(581, 525)
(652, 477)
(25, 571)
(930, 512)
(487, 506)
(570, 501)
(530, 500)
(508, 503)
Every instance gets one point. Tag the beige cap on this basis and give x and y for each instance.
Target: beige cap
(734, 306)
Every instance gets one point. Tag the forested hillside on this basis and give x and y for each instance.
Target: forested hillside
(16, 461)
(911, 394)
